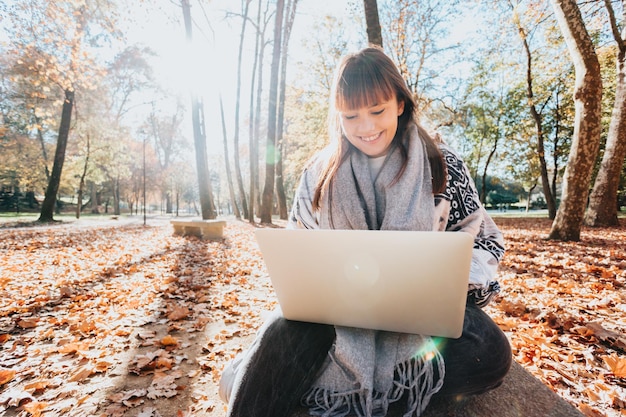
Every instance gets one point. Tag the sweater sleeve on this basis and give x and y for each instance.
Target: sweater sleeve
(466, 213)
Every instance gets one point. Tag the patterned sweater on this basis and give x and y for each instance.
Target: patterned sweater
(458, 208)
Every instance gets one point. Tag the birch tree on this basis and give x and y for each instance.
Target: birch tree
(207, 206)
(245, 6)
(231, 188)
(290, 16)
(262, 22)
(270, 151)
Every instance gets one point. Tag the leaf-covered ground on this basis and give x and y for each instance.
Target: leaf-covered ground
(119, 319)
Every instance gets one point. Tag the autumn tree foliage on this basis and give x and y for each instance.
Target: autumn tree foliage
(50, 42)
(415, 34)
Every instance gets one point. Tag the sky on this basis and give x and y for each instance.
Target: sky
(216, 46)
(214, 51)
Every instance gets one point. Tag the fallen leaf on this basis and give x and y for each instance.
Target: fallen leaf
(73, 347)
(81, 374)
(37, 386)
(28, 323)
(590, 412)
(178, 313)
(612, 338)
(169, 341)
(6, 375)
(515, 309)
(35, 408)
(617, 365)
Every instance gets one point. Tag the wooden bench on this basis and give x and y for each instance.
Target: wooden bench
(204, 229)
(520, 395)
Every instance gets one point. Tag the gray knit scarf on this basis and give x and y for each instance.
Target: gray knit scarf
(366, 370)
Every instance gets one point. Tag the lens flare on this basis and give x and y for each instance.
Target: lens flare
(429, 348)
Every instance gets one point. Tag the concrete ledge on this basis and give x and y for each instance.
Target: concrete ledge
(520, 395)
(204, 229)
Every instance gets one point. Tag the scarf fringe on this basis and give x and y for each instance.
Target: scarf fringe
(418, 377)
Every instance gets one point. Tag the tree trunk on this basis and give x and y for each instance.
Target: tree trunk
(555, 152)
(270, 152)
(93, 190)
(116, 196)
(254, 125)
(602, 209)
(50, 199)
(242, 191)
(229, 176)
(537, 117)
(290, 16)
(168, 202)
(79, 198)
(81, 185)
(530, 194)
(483, 192)
(199, 137)
(43, 149)
(587, 122)
(374, 34)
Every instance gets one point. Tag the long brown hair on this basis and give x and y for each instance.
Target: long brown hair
(361, 80)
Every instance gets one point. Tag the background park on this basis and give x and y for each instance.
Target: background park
(120, 116)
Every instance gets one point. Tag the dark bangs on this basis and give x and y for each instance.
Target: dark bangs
(362, 84)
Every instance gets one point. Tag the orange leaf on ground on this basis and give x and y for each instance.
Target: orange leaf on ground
(6, 375)
(35, 408)
(612, 338)
(169, 341)
(515, 309)
(28, 323)
(71, 348)
(82, 374)
(590, 412)
(617, 365)
(37, 386)
(178, 313)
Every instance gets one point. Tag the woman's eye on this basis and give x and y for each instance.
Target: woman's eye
(377, 112)
(349, 117)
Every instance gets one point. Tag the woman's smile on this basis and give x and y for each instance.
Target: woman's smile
(371, 129)
(371, 138)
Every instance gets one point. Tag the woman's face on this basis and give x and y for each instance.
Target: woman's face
(372, 129)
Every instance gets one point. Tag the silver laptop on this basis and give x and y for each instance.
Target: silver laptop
(402, 281)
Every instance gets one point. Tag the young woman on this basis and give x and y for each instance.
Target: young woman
(381, 171)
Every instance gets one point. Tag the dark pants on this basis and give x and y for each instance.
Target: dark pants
(477, 361)
(291, 353)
